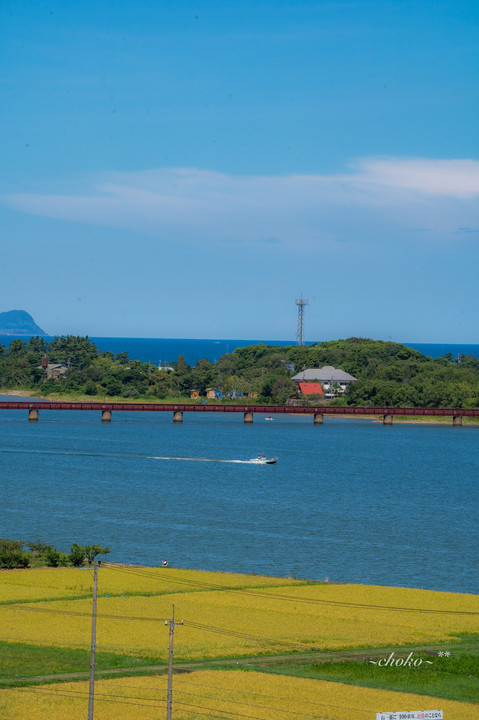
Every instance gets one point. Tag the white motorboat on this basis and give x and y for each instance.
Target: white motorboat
(263, 460)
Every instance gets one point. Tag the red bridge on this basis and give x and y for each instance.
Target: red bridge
(248, 411)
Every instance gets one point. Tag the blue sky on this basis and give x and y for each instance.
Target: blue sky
(188, 169)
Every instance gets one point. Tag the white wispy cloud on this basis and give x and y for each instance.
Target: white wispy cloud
(447, 178)
(191, 205)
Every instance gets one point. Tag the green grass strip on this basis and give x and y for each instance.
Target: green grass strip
(20, 660)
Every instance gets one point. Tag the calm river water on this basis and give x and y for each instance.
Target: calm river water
(351, 500)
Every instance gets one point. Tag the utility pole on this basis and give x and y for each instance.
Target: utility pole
(93, 644)
(169, 699)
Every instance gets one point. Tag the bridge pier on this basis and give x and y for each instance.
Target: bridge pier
(318, 418)
(248, 417)
(32, 415)
(387, 420)
(178, 416)
(106, 415)
(457, 421)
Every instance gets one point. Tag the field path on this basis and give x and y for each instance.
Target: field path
(267, 660)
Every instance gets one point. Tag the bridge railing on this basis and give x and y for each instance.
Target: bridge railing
(248, 411)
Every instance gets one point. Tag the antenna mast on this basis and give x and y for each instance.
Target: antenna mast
(301, 305)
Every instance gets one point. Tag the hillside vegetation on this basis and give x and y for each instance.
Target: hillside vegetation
(388, 373)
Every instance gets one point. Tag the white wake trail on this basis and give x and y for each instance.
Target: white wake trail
(197, 459)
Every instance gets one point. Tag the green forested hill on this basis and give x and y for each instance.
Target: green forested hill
(388, 373)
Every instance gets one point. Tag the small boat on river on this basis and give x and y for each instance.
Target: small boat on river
(263, 460)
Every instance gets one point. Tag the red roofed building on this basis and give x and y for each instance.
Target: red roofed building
(311, 388)
(334, 381)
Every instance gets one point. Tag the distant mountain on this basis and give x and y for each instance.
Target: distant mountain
(19, 322)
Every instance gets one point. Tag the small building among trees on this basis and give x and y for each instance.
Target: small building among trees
(52, 370)
(332, 381)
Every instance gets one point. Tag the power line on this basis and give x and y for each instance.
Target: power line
(212, 628)
(81, 648)
(209, 715)
(101, 696)
(188, 623)
(295, 598)
(81, 697)
(276, 697)
(251, 637)
(126, 700)
(81, 694)
(253, 717)
(200, 669)
(170, 577)
(79, 613)
(246, 704)
(246, 693)
(245, 636)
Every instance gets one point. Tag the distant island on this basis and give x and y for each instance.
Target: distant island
(19, 322)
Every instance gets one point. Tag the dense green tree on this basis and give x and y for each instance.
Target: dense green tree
(227, 364)
(112, 385)
(121, 358)
(37, 345)
(51, 556)
(12, 555)
(90, 388)
(77, 554)
(15, 373)
(281, 389)
(17, 349)
(202, 376)
(92, 551)
(72, 351)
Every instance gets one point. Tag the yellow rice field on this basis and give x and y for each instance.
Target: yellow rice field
(43, 583)
(224, 694)
(278, 617)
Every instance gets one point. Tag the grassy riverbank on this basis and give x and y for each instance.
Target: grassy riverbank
(140, 399)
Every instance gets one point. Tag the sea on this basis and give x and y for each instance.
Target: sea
(163, 351)
(351, 501)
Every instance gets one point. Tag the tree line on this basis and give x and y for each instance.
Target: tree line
(15, 554)
(387, 373)
(88, 372)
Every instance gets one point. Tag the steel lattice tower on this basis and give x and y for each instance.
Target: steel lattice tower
(301, 305)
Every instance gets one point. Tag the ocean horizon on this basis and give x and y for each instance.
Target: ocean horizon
(163, 351)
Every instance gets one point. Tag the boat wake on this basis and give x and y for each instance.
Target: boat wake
(198, 459)
(70, 453)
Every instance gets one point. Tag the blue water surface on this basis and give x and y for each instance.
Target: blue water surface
(351, 500)
(162, 351)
